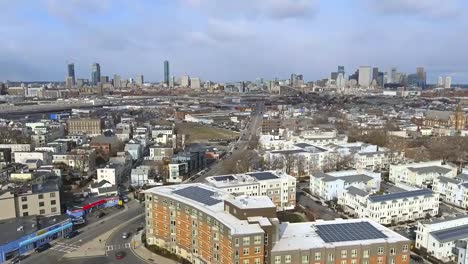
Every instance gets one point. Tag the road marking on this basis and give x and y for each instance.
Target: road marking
(118, 246)
(62, 247)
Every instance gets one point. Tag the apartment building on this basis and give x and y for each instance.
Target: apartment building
(390, 208)
(421, 174)
(160, 153)
(329, 186)
(453, 190)
(278, 186)
(83, 160)
(177, 172)
(439, 237)
(206, 225)
(38, 199)
(88, 126)
(112, 173)
(17, 147)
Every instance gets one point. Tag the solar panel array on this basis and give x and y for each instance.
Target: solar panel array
(454, 233)
(399, 195)
(198, 194)
(348, 232)
(224, 178)
(261, 176)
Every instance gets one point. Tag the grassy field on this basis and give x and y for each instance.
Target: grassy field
(290, 217)
(197, 133)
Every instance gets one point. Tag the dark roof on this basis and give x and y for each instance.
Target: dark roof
(399, 195)
(198, 194)
(348, 232)
(111, 189)
(262, 176)
(446, 179)
(303, 145)
(290, 151)
(429, 169)
(99, 184)
(351, 178)
(224, 178)
(356, 191)
(451, 234)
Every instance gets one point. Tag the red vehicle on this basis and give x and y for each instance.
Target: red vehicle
(119, 255)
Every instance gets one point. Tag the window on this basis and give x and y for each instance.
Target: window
(318, 255)
(392, 251)
(344, 253)
(305, 259)
(41, 196)
(246, 251)
(24, 206)
(236, 242)
(379, 260)
(41, 204)
(365, 254)
(42, 211)
(343, 262)
(53, 210)
(257, 250)
(25, 214)
(257, 261)
(246, 261)
(392, 261)
(257, 240)
(287, 259)
(353, 261)
(24, 199)
(246, 241)
(331, 257)
(380, 251)
(354, 253)
(404, 257)
(365, 262)
(277, 259)
(53, 202)
(405, 248)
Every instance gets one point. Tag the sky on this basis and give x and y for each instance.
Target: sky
(231, 40)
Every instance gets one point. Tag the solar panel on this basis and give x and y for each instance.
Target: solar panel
(348, 232)
(261, 176)
(454, 233)
(224, 178)
(198, 194)
(399, 195)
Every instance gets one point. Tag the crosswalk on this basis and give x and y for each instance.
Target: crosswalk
(117, 247)
(63, 247)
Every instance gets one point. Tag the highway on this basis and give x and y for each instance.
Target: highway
(241, 146)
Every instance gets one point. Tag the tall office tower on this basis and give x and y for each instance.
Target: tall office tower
(296, 80)
(393, 77)
(185, 81)
(365, 76)
(95, 73)
(375, 73)
(195, 83)
(140, 79)
(293, 79)
(341, 70)
(104, 79)
(340, 81)
(448, 82)
(166, 72)
(422, 75)
(172, 82)
(334, 76)
(117, 82)
(440, 82)
(71, 72)
(380, 79)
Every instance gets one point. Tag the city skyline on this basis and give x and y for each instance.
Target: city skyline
(223, 47)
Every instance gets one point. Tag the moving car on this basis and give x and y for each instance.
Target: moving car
(119, 255)
(43, 247)
(101, 215)
(125, 235)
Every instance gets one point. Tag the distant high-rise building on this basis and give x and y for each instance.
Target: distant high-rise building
(81, 82)
(440, 82)
(393, 75)
(422, 75)
(185, 81)
(95, 73)
(448, 82)
(375, 73)
(365, 76)
(296, 80)
(195, 83)
(334, 76)
(104, 79)
(166, 72)
(341, 70)
(69, 82)
(117, 81)
(140, 79)
(71, 72)
(172, 82)
(380, 79)
(340, 81)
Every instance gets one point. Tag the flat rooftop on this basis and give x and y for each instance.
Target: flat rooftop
(400, 195)
(451, 234)
(224, 181)
(336, 233)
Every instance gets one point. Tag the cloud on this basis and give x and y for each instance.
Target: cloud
(437, 9)
(272, 9)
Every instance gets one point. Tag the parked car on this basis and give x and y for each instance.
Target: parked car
(119, 255)
(18, 259)
(125, 235)
(43, 247)
(100, 215)
(71, 234)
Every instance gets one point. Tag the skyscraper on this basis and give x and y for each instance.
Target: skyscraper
(185, 81)
(140, 79)
(375, 73)
(341, 70)
(365, 76)
(166, 72)
(448, 82)
(440, 82)
(71, 72)
(393, 75)
(95, 73)
(117, 81)
(422, 75)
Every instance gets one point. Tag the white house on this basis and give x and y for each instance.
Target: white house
(390, 208)
(22, 157)
(421, 174)
(140, 175)
(111, 173)
(278, 186)
(177, 172)
(453, 190)
(439, 236)
(134, 149)
(329, 186)
(160, 153)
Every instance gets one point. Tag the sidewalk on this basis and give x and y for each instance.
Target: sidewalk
(145, 255)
